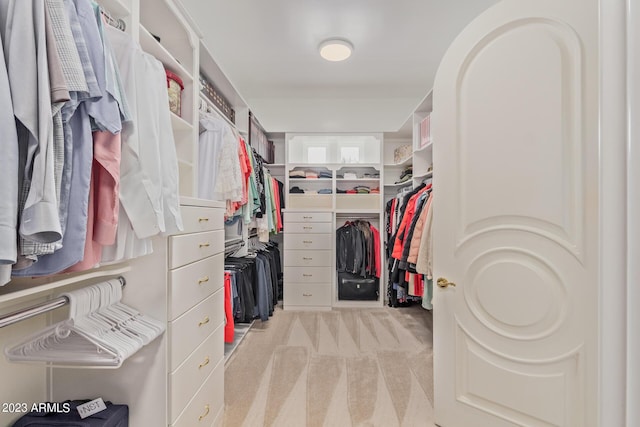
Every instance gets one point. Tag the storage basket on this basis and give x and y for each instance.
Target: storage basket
(175, 88)
(402, 153)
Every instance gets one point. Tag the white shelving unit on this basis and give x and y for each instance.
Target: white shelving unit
(144, 382)
(338, 207)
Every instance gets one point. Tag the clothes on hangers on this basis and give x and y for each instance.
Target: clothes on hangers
(255, 282)
(409, 219)
(73, 114)
(149, 184)
(356, 249)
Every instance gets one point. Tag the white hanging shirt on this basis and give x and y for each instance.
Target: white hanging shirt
(149, 167)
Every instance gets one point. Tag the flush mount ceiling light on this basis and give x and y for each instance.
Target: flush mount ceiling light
(335, 49)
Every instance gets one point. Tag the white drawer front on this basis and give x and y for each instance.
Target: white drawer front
(308, 274)
(320, 258)
(197, 219)
(309, 227)
(207, 403)
(308, 241)
(190, 329)
(187, 379)
(192, 283)
(187, 248)
(308, 217)
(307, 294)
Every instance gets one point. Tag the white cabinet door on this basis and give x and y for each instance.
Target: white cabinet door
(515, 142)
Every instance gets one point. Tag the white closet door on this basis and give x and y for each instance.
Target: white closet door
(515, 131)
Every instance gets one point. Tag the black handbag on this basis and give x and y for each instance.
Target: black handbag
(357, 288)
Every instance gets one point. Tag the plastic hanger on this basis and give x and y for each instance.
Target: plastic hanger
(100, 332)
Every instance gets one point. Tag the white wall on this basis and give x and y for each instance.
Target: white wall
(331, 115)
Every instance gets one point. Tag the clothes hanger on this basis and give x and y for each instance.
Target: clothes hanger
(101, 332)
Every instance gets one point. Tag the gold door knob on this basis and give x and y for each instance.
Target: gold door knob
(444, 282)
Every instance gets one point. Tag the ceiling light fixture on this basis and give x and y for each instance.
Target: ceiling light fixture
(335, 49)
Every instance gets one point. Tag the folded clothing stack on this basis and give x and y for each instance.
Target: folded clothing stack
(325, 191)
(406, 175)
(296, 190)
(310, 174)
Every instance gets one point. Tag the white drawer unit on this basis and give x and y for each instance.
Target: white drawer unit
(308, 217)
(308, 241)
(309, 227)
(188, 248)
(192, 283)
(193, 327)
(197, 219)
(307, 295)
(307, 274)
(195, 310)
(308, 260)
(207, 404)
(318, 258)
(187, 379)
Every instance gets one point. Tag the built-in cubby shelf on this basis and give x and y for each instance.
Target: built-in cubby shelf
(150, 45)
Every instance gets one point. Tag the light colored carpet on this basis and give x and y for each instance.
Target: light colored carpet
(346, 367)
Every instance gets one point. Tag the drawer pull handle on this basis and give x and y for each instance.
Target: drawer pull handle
(203, 280)
(307, 258)
(307, 275)
(204, 321)
(205, 363)
(307, 295)
(204, 245)
(307, 217)
(307, 241)
(308, 228)
(206, 412)
(203, 219)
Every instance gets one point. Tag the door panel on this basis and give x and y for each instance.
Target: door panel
(516, 220)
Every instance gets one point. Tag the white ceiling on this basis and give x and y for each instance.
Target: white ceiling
(269, 51)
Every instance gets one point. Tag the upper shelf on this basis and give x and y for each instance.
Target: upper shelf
(424, 175)
(153, 47)
(405, 162)
(28, 286)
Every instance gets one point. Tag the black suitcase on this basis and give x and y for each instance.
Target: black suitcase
(358, 288)
(113, 416)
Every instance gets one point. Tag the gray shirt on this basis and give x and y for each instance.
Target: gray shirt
(27, 69)
(8, 175)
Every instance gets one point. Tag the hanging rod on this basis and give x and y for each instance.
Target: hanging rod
(35, 310)
(114, 22)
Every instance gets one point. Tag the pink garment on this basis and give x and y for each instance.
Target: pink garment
(376, 244)
(104, 205)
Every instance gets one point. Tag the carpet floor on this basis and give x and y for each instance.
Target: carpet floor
(345, 367)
